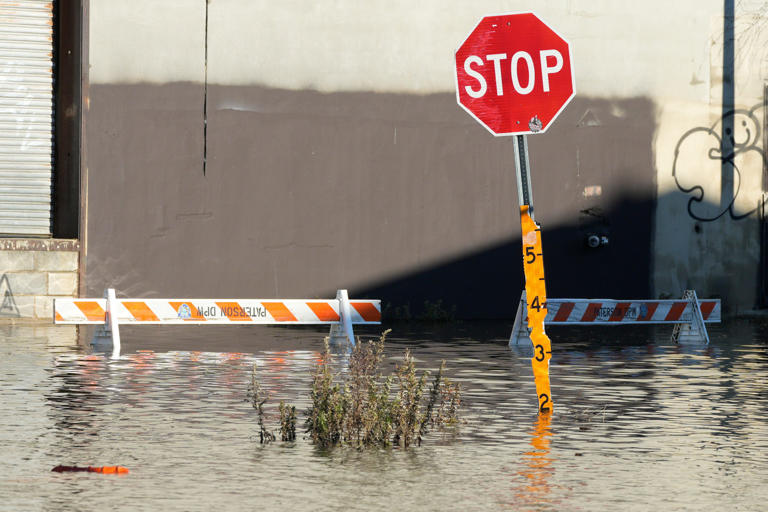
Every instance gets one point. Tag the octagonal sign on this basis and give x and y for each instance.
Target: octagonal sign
(514, 74)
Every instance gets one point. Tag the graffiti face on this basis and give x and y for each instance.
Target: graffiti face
(703, 156)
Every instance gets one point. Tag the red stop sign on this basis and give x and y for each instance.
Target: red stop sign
(514, 74)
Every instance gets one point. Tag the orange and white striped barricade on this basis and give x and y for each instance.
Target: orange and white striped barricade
(689, 315)
(340, 313)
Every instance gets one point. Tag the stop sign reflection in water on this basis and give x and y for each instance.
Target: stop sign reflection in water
(514, 74)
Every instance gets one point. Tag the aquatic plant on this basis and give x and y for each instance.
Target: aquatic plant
(287, 422)
(586, 414)
(397, 313)
(258, 399)
(430, 312)
(329, 405)
(362, 407)
(447, 414)
(365, 408)
(436, 312)
(447, 396)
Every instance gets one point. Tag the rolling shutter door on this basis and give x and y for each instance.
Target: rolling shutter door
(26, 117)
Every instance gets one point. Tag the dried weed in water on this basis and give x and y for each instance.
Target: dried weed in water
(587, 414)
(287, 422)
(368, 409)
(258, 398)
(407, 405)
(449, 403)
(362, 407)
(329, 405)
(443, 404)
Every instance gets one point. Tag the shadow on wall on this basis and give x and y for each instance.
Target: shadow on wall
(486, 284)
(307, 192)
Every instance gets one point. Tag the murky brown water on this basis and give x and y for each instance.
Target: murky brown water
(639, 424)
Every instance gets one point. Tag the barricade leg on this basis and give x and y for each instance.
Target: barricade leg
(343, 329)
(520, 333)
(109, 333)
(695, 330)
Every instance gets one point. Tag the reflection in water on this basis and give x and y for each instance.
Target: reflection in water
(672, 432)
(537, 468)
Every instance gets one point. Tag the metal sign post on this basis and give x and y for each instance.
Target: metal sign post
(535, 283)
(522, 170)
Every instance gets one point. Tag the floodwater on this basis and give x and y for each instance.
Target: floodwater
(639, 423)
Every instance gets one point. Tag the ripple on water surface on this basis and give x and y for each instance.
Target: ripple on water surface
(639, 423)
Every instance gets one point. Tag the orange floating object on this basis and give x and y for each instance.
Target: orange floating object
(109, 469)
(91, 469)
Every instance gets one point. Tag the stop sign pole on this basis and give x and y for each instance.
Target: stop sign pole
(514, 76)
(535, 282)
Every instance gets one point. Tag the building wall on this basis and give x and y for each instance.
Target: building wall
(34, 273)
(243, 148)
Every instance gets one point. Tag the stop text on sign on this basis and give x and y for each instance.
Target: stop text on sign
(521, 64)
(514, 74)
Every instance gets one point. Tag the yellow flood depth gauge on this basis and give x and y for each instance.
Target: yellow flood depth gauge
(535, 284)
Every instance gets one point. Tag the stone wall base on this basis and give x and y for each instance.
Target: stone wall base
(33, 272)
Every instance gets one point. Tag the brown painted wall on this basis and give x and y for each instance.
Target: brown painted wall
(401, 197)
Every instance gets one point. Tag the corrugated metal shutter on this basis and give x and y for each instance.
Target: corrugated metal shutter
(26, 117)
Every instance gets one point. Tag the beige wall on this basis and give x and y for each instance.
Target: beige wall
(715, 250)
(621, 50)
(390, 65)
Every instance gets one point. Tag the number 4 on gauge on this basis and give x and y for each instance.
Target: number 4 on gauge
(538, 305)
